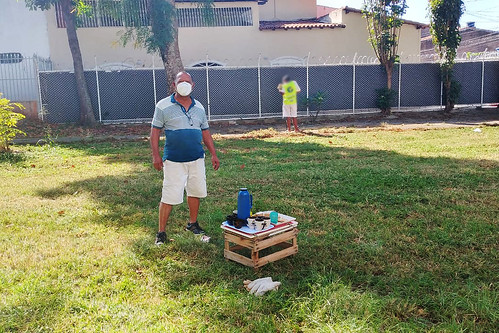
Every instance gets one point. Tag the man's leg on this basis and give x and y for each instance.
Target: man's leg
(172, 194)
(196, 189)
(295, 123)
(164, 214)
(193, 204)
(288, 123)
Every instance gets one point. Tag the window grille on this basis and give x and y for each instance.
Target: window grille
(114, 14)
(209, 63)
(10, 58)
(222, 17)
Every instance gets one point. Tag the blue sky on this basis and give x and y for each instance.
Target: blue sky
(484, 12)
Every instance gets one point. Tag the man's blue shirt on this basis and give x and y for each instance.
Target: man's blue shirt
(182, 129)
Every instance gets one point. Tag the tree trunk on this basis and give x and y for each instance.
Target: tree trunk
(389, 74)
(169, 52)
(447, 87)
(172, 60)
(86, 111)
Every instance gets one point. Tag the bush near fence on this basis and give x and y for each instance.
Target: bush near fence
(251, 92)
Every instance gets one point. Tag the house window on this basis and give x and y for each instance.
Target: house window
(288, 61)
(209, 63)
(107, 14)
(11, 58)
(222, 17)
(114, 14)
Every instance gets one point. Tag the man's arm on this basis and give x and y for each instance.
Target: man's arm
(156, 158)
(208, 141)
(298, 89)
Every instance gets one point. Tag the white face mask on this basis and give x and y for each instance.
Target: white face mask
(184, 88)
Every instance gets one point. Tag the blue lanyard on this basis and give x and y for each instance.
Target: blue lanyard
(186, 112)
(187, 115)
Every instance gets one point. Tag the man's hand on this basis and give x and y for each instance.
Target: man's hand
(157, 162)
(215, 162)
(156, 159)
(208, 141)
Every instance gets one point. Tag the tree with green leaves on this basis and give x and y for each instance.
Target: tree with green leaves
(8, 122)
(444, 28)
(70, 11)
(158, 32)
(384, 24)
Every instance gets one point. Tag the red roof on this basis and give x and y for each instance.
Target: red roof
(299, 24)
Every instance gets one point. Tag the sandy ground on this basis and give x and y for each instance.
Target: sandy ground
(397, 121)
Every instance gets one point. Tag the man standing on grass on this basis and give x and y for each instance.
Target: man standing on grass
(289, 90)
(184, 121)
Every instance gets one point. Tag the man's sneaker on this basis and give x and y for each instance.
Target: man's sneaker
(195, 228)
(161, 238)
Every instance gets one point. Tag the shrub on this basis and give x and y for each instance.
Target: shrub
(315, 102)
(384, 99)
(8, 122)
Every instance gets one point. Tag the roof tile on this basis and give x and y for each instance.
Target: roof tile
(298, 24)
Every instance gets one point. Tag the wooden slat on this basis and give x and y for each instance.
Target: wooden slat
(239, 240)
(236, 232)
(276, 256)
(254, 256)
(285, 245)
(263, 244)
(236, 247)
(274, 231)
(238, 258)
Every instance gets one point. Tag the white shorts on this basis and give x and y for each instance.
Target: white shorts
(290, 110)
(189, 176)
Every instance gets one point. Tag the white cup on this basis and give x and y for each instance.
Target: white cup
(261, 225)
(251, 224)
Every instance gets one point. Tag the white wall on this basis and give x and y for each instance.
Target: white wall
(22, 30)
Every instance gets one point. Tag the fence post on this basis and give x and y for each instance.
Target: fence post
(483, 76)
(353, 89)
(308, 85)
(154, 81)
(441, 94)
(39, 86)
(208, 88)
(400, 84)
(259, 88)
(98, 89)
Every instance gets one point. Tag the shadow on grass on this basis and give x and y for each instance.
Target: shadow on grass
(10, 157)
(418, 232)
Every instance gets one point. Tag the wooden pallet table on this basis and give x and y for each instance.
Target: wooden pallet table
(285, 238)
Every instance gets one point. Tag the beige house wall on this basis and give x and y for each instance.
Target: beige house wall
(409, 48)
(231, 46)
(286, 10)
(103, 42)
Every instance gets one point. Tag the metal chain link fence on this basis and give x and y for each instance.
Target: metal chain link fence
(129, 95)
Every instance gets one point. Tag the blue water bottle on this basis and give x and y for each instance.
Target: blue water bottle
(244, 203)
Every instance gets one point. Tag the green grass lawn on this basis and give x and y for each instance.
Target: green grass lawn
(398, 233)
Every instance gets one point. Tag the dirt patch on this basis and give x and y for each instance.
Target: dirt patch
(265, 128)
(260, 134)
